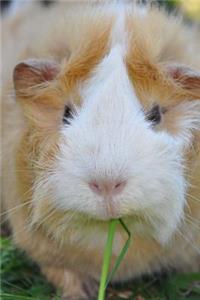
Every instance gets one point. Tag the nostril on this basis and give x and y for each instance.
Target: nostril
(95, 187)
(119, 186)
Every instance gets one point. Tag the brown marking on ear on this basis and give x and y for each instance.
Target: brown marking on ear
(33, 72)
(43, 108)
(38, 92)
(86, 58)
(186, 77)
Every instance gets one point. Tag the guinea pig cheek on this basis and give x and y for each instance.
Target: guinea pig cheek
(161, 187)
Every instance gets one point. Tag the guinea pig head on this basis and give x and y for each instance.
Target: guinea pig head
(111, 132)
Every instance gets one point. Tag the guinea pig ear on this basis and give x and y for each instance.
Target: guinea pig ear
(186, 77)
(33, 72)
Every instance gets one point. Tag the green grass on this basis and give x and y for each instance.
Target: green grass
(20, 277)
(21, 280)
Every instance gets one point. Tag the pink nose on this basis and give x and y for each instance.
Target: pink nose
(104, 188)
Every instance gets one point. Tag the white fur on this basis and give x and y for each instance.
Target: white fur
(110, 139)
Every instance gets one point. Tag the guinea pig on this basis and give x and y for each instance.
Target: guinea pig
(101, 120)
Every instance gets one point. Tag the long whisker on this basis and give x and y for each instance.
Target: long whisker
(195, 223)
(11, 211)
(189, 241)
(66, 222)
(193, 198)
(47, 216)
(9, 214)
(15, 208)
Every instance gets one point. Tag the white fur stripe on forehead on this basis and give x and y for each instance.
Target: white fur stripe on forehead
(118, 35)
(109, 83)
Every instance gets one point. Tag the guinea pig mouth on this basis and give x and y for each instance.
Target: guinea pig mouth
(106, 215)
(106, 211)
(111, 210)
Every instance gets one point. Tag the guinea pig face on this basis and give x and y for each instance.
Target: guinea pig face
(111, 161)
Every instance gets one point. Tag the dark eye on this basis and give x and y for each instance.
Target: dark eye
(67, 115)
(154, 115)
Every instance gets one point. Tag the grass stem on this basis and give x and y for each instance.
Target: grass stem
(106, 259)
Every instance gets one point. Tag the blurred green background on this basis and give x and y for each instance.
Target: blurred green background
(190, 8)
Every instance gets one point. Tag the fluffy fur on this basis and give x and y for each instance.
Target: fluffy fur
(111, 63)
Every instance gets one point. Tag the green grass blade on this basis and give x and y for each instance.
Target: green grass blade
(105, 279)
(122, 253)
(106, 260)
